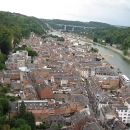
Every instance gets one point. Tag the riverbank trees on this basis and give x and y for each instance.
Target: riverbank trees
(120, 36)
(112, 35)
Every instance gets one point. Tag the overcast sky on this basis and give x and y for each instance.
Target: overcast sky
(115, 12)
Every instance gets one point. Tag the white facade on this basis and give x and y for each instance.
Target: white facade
(124, 114)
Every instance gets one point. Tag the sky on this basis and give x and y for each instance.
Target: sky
(115, 12)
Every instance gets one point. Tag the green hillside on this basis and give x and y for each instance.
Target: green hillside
(113, 35)
(15, 26)
(54, 23)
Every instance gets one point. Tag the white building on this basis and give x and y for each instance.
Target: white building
(124, 111)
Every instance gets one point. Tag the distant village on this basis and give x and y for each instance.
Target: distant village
(67, 84)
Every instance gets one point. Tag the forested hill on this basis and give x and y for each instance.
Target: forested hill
(118, 36)
(54, 23)
(15, 26)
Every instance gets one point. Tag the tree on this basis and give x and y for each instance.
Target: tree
(5, 39)
(6, 127)
(95, 39)
(125, 52)
(111, 67)
(16, 122)
(47, 59)
(22, 109)
(3, 119)
(5, 105)
(108, 40)
(126, 43)
(32, 53)
(42, 126)
(1, 110)
(95, 50)
(5, 47)
(5, 89)
(12, 99)
(30, 119)
(25, 127)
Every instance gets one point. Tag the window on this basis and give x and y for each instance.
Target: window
(124, 117)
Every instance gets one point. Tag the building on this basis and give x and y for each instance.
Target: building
(44, 90)
(18, 59)
(124, 111)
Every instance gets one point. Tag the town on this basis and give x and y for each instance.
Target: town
(67, 84)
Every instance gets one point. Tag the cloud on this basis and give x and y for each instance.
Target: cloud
(109, 11)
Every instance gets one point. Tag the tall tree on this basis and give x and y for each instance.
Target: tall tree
(30, 119)
(5, 106)
(22, 109)
(95, 39)
(5, 40)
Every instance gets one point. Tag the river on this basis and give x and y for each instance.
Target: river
(116, 60)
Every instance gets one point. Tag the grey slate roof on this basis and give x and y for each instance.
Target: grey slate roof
(34, 104)
(14, 106)
(80, 115)
(55, 118)
(106, 70)
(91, 126)
(78, 98)
(122, 108)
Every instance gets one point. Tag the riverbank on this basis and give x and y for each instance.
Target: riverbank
(110, 48)
(115, 50)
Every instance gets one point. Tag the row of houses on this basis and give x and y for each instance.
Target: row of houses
(67, 84)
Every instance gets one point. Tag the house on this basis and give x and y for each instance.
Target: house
(124, 111)
(76, 88)
(64, 80)
(88, 46)
(18, 59)
(16, 85)
(80, 118)
(9, 75)
(44, 90)
(92, 126)
(40, 108)
(56, 120)
(77, 101)
(105, 71)
(108, 82)
(29, 91)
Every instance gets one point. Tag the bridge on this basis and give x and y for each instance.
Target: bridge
(73, 26)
